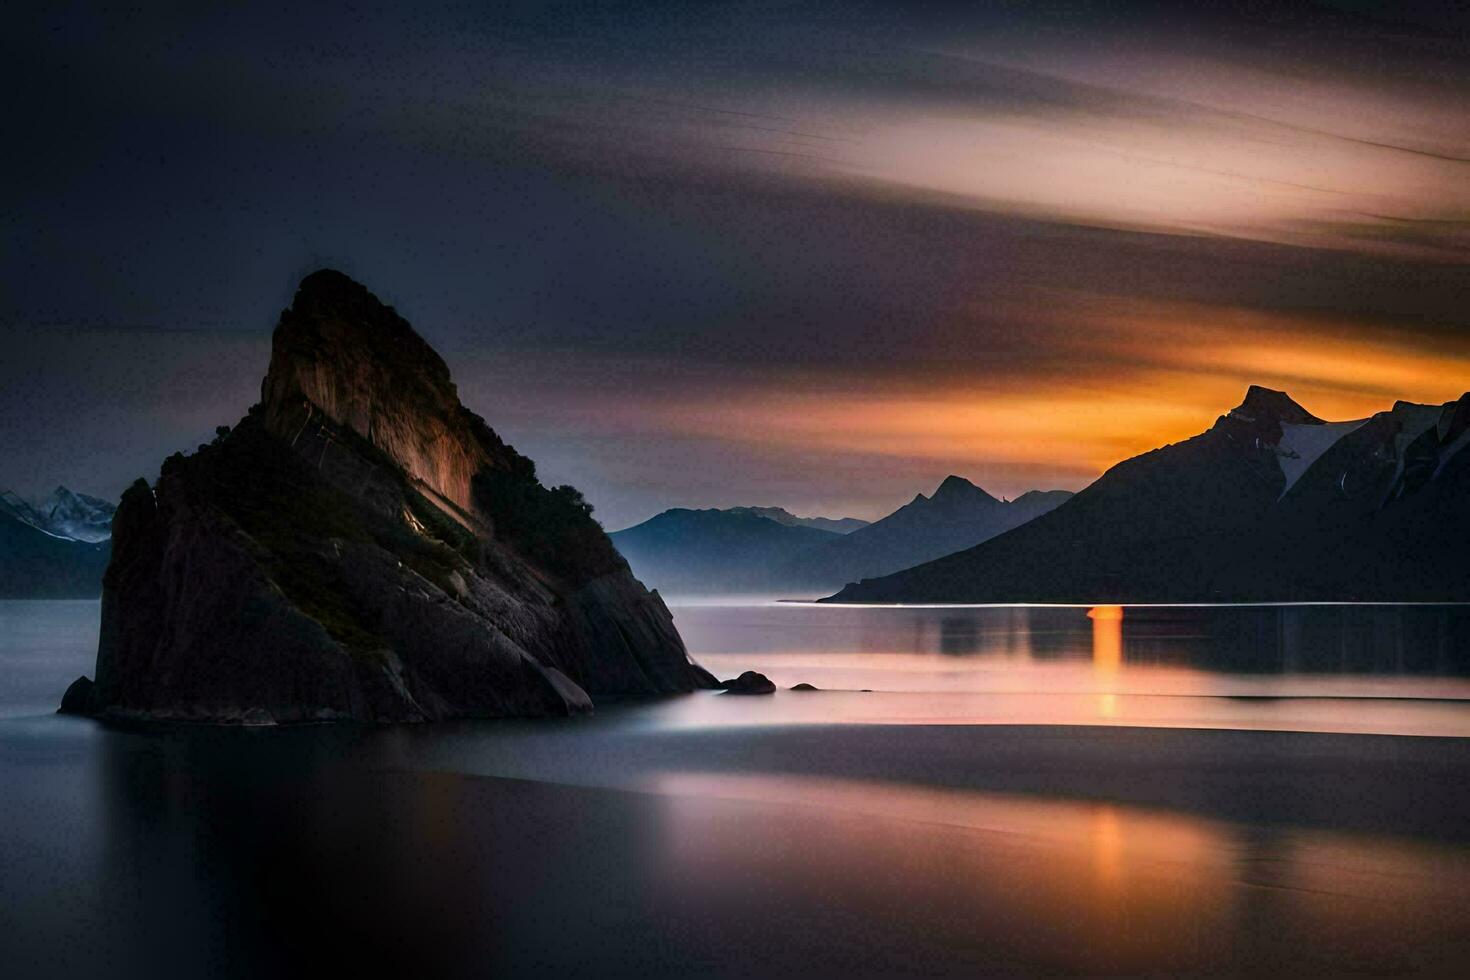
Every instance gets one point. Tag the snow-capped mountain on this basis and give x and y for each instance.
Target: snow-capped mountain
(58, 548)
(1270, 504)
(77, 515)
(62, 514)
(14, 507)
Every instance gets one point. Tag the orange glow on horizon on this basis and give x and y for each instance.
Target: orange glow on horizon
(1153, 374)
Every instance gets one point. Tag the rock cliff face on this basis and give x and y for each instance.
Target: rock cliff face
(361, 546)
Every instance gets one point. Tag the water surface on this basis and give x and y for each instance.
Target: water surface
(1333, 668)
(1003, 800)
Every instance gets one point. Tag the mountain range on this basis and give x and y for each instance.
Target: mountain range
(1269, 504)
(56, 548)
(958, 515)
(704, 552)
(839, 525)
(361, 546)
(753, 550)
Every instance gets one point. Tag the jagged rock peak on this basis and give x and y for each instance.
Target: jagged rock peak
(339, 352)
(361, 546)
(1263, 404)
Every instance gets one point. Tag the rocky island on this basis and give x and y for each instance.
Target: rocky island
(363, 547)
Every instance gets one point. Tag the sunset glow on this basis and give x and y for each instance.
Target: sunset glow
(1115, 383)
(822, 264)
(824, 488)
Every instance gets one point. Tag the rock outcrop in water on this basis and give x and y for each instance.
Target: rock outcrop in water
(362, 546)
(750, 682)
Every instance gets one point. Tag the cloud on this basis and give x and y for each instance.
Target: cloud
(1129, 129)
(1108, 376)
(797, 254)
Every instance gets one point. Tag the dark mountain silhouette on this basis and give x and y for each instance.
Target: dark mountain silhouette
(958, 516)
(362, 546)
(839, 525)
(56, 549)
(704, 552)
(751, 550)
(1270, 504)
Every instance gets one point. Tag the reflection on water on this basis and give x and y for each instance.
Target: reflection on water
(1287, 667)
(1427, 640)
(1107, 639)
(1094, 887)
(1107, 654)
(329, 851)
(791, 835)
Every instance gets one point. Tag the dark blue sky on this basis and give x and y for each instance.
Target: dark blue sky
(816, 255)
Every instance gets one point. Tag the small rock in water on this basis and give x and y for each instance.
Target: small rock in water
(749, 682)
(805, 687)
(78, 699)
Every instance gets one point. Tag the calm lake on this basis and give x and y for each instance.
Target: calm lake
(973, 790)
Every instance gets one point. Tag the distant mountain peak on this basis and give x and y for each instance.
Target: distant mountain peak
(13, 499)
(1270, 504)
(778, 514)
(841, 525)
(957, 488)
(1267, 404)
(63, 514)
(67, 498)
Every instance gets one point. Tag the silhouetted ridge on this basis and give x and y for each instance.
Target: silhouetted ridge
(959, 515)
(1267, 403)
(765, 550)
(955, 488)
(1270, 504)
(1455, 419)
(715, 551)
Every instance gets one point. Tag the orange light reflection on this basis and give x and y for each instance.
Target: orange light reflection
(1107, 654)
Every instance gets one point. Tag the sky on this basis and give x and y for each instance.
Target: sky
(811, 255)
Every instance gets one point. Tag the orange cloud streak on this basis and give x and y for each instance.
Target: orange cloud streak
(1160, 373)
